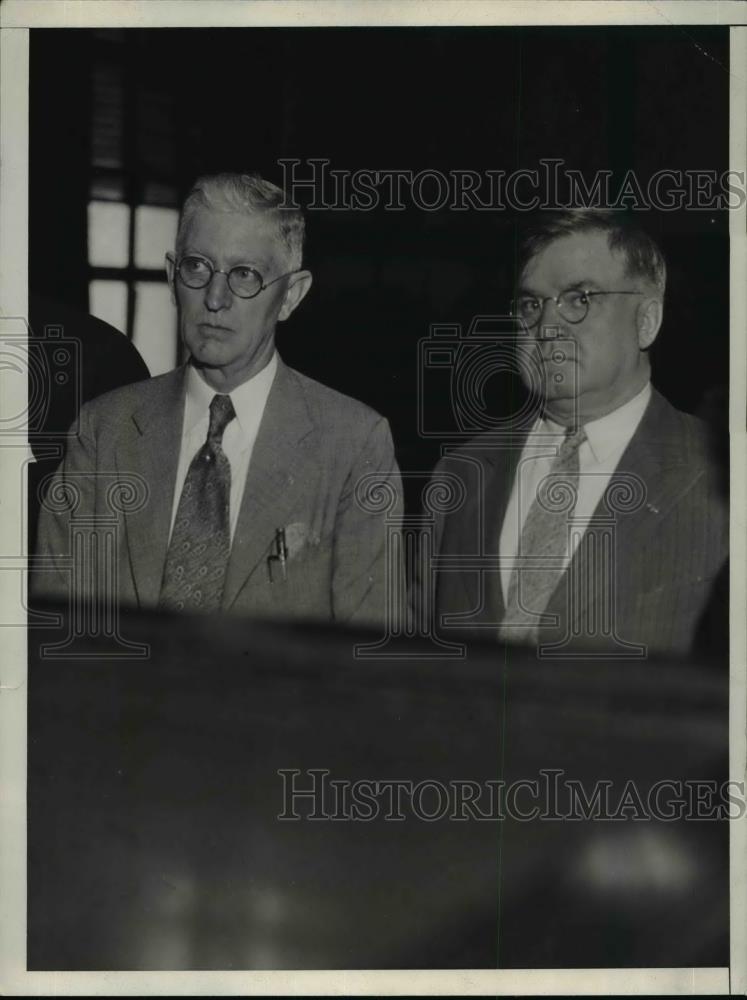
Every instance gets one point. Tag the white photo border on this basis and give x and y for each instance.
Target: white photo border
(16, 17)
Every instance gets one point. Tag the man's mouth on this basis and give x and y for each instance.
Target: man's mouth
(213, 326)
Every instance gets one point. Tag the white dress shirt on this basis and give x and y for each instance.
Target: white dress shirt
(606, 440)
(249, 401)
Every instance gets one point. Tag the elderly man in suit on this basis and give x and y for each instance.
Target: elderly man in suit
(251, 477)
(600, 525)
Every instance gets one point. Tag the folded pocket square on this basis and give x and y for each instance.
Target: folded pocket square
(298, 536)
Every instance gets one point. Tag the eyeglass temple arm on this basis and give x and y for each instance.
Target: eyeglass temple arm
(268, 283)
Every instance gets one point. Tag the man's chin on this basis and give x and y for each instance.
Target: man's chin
(209, 355)
(560, 383)
(202, 366)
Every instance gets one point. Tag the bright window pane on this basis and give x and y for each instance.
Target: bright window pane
(108, 301)
(108, 234)
(155, 326)
(155, 232)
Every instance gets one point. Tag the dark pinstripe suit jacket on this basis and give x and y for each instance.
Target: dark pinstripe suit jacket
(642, 579)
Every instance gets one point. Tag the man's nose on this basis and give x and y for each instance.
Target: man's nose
(217, 293)
(551, 321)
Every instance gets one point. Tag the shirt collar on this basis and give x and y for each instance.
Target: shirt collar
(248, 399)
(613, 431)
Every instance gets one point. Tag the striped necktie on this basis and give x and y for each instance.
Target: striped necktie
(543, 544)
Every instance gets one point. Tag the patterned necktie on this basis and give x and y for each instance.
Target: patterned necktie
(196, 562)
(544, 542)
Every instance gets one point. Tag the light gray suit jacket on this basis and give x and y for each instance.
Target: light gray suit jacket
(313, 450)
(646, 569)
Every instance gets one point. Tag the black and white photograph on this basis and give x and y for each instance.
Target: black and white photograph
(373, 447)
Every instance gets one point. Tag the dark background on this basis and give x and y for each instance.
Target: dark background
(182, 102)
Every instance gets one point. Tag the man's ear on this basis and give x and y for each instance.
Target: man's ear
(648, 321)
(171, 275)
(298, 286)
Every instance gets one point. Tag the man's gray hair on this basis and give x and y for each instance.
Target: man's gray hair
(249, 194)
(643, 258)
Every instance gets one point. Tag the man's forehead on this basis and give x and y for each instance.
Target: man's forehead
(234, 234)
(574, 258)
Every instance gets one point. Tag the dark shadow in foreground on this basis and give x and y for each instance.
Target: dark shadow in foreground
(154, 796)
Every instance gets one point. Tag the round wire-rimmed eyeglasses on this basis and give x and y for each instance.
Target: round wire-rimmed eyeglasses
(244, 281)
(572, 304)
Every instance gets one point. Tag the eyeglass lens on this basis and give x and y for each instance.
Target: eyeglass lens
(572, 306)
(243, 281)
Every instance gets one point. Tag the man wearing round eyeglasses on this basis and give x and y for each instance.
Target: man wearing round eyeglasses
(602, 520)
(232, 284)
(257, 479)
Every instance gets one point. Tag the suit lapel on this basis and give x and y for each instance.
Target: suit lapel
(282, 465)
(150, 448)
(499, 469)
(649, 477)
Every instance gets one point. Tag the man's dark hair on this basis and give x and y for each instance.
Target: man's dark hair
(643, 258)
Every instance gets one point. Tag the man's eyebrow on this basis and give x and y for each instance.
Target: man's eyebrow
(585, 283)
(258, 262)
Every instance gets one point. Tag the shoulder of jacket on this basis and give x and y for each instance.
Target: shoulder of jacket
(132, 395)
(480, 449)
(701, 442)
(329, 406)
